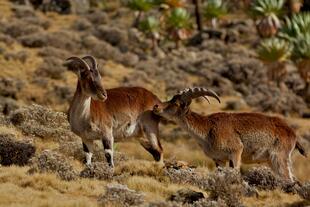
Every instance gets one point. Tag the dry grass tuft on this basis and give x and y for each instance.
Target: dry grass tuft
(140, 168)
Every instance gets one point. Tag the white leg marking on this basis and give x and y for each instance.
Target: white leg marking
(289, 166)
(88, 158)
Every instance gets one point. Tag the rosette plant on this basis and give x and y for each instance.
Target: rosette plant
(140, 6)
(151, 27)
(179, 25)
(275, 52)
(214, 10)
(267, 12)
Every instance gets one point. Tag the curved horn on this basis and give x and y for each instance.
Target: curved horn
(191, 93)
(92, 61)
(79, 60)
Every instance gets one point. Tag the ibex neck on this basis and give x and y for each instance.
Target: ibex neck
(79, 112)
(196, 124)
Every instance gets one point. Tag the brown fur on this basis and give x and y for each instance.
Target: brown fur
(113, 114)
(236, 137)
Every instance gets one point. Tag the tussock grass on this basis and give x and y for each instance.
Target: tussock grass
(140, 168)
(20, 189)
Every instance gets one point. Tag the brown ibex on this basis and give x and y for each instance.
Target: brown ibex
(112, 114)
(234, 137)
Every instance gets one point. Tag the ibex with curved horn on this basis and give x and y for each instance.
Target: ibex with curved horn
(234, 137)
(112, 114)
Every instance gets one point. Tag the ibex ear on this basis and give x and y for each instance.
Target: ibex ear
(185, 104)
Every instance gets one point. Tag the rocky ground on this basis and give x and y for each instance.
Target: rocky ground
(42, 160)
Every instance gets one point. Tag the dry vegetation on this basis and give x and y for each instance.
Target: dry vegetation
(45, 158)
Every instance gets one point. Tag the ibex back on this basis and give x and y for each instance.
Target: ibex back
(235, 137)
(113, 114)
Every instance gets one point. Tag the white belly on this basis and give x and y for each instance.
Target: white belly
(125, 130)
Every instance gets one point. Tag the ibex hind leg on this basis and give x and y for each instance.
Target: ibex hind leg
(280, 164)
(108, 143)
(149, 126)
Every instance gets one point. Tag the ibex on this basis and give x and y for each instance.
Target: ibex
(112, 114)
(234, 137)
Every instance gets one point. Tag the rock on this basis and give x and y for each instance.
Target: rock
(186, 196)
(120, 195)
(98, 170)
(13, 152)
(53, 162)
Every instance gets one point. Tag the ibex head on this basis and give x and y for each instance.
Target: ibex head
(178, 106)
(89, 77)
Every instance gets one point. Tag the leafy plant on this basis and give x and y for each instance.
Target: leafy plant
(178, 24)
(179, 18)
(299, 24)
(302, 47)
(268, 11)
(174, 3)
(215, 9)
(140, 5)
(151, 26)
(267, 7)
(275, 52)
(274, 49)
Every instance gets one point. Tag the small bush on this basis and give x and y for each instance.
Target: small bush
(186, 196)
(304, 191)
(261, 178)
(52, 68)
(226, 184)
(18, 28)
(42, 122)
(186, 176)
(52, 162)
(120, 195)
(14, 152)
(98, 170)
(209, 203)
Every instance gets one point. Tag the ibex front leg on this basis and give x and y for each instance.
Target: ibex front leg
(88, 147)
(108, 142)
